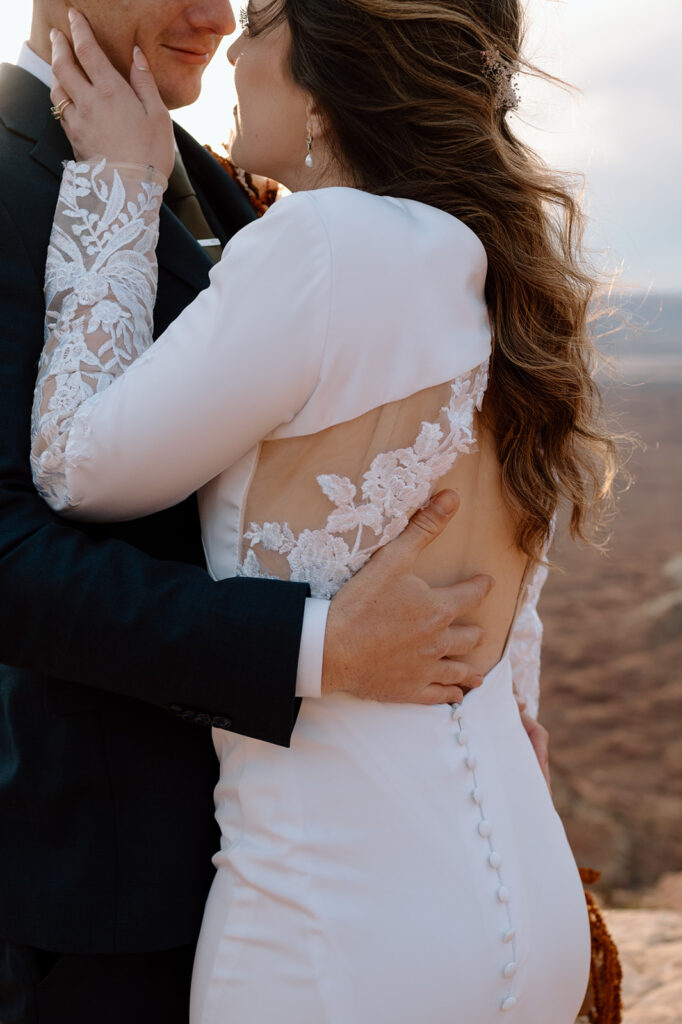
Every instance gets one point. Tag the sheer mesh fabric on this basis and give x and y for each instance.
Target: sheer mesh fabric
(100, 285)
(285, 501)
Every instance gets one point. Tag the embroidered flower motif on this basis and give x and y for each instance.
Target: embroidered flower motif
(89, 288)
(101, 265)
(525, 642)
(395, 485)
(318, 555)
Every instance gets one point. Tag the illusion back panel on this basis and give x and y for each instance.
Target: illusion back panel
(319, 498)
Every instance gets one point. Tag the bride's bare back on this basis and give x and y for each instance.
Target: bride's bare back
(290, 497)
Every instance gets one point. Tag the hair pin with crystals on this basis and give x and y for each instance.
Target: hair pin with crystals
(502, 74)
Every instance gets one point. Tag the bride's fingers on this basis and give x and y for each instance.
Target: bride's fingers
(57, 93)
(91, 56)
(144, 84)
(64, 68)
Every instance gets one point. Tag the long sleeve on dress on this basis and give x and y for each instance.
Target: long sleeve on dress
(525, 643)
(103, 440)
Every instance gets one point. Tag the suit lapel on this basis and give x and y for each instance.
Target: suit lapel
(25, 110)
(178, 252)
(225, 206)
(52, 148)
(224, 203)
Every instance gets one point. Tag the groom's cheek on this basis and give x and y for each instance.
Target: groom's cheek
(178, 78)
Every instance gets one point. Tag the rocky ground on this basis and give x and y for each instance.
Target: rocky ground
(650, 946)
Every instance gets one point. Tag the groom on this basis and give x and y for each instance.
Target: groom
(120, 644)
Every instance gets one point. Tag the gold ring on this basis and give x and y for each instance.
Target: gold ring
(58, 110)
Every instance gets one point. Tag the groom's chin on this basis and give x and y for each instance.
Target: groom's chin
(179, 83)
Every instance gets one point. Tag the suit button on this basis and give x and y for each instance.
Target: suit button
(187, 714)
(201, 718)
(219, 722)
(176, 709)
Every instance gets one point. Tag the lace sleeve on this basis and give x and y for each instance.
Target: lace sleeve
(525, 643)
(120, 432)
(100, 289)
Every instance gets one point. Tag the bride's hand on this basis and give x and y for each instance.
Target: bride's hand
(106, 116)
(539, 738)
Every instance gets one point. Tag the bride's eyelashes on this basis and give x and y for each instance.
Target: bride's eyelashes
(256, 19)
(244, 22)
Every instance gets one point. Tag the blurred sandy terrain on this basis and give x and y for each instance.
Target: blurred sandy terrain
(612, 666)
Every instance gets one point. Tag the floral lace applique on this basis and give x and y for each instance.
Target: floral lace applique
(395, 485)
(525, 643)
(100, 289)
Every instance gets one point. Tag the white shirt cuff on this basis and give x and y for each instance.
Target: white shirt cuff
(311, 652)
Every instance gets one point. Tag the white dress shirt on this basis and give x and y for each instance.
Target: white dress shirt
(35, 65)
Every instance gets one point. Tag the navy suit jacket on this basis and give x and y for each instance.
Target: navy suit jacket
(116, 644)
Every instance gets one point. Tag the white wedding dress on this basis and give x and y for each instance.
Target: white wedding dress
(397, 864)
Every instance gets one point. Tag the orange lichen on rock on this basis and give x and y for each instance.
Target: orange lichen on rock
(261, 192)
(603, 1003)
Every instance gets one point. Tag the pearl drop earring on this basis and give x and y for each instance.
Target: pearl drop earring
(309, 159)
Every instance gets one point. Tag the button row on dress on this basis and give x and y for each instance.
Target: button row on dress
(485, 830)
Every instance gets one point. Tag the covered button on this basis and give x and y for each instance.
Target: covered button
(509, 1003)
(485, 828)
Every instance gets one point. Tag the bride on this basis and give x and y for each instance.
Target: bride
(412, 317)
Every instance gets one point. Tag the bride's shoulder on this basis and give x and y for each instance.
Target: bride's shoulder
(353, 216)
(387, 221)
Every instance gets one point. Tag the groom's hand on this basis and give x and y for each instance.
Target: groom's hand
(392, 637)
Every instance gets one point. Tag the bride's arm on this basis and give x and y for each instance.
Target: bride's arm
(242, 358)
(100, 289)
(116, 436)
(525, 644)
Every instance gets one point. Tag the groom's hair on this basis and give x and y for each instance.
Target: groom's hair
(416, 96)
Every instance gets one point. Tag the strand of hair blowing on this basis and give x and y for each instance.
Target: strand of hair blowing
(411, 112)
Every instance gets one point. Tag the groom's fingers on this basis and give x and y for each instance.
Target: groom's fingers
(448, 672)
(436, 693)
(91, 57)
(462, 640)
(459, 600)
(425, 525)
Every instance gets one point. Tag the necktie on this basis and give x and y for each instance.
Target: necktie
(182, 200)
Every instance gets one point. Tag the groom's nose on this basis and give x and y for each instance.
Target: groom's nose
(215, 15)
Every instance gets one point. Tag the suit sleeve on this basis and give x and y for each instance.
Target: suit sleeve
(101, 613)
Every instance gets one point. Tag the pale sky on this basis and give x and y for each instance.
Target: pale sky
(622, 132)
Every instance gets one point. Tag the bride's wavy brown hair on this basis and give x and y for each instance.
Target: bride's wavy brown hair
(412, 113)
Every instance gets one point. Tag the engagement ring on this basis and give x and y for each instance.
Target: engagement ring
(59, 108)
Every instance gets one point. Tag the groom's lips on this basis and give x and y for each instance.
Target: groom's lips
(190, 56)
